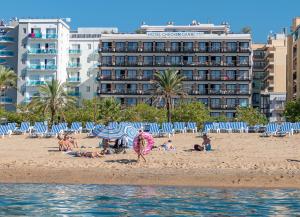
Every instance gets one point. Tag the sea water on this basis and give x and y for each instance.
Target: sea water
(109, 200)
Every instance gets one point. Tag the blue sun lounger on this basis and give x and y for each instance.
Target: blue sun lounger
(4, 130)
(180, 127)
(192, 126)
(167, 128)
(24, 128)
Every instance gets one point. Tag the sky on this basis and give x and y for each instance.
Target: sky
(263, 16)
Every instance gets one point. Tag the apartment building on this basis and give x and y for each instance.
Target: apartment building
(293, 58)
(83, 61)
(8, 59)
(259, 64)
(273, 96)
(216, 64)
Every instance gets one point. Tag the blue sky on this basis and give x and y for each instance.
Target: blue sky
(262, 15)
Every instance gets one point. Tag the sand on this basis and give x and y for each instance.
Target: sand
(237, 160)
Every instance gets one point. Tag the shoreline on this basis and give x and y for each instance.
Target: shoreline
(229, 179)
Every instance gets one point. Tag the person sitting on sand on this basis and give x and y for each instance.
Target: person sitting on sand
(167, 146)
(90, 154)
(73, 141)
(206, 144)
(141, 146)
(105, 145)
(64, 144)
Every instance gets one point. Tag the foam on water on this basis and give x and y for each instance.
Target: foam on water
(105, 200)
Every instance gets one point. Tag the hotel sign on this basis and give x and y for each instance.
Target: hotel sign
(174, 34)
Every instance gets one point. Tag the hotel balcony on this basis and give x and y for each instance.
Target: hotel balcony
(74, 52)
(123, 92)
(5, 100)
(73, 80)
(38, 36)
(74, 93)
(4, 53)
(41, 68)
(74, 65)
(6, 39)
(33, 51)
(33, 83)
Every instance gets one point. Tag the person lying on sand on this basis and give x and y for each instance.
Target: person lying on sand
(167, 146)
(89, 154)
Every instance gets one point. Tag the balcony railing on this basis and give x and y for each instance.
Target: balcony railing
(42, 36)
(6, 39)
(4, 53)
(73, 79)
(74, 51)
(74, 93)
(35, 83)
(41, 67)
(74, 65)
(42, 51)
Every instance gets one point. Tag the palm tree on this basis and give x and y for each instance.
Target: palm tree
(8, 79)
(53, 98)
(167, 85)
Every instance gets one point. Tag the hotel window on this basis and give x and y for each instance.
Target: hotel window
(148, 46)
(105, 74)
(49, 62)
(24, 30)
(148, 60)
(203, 60)
(120, 74)
(48, 77)
(203, 46)
(215, 88)
(160, 46)
(231, 103)
(131, 74)
(230, 60)
(132, 46)
(216, 60)
(202, 88)
(243, 102)
(106, 46)
(215, 103)
(215, 75)
(175, 46)
(242, 75)
(105, 88)
(215, 114)
(88, 89)
(230, 115)
(243, 60)
(147, 74)
(120, 60)
(132, 60)
(131, 101)
(89, 46)
(187, 46)
(203, 74)
(230, 75)
(175, 60)
(120, 46)
(216, 46)
(203, 101)
(244, 88)
(187, 60)
(106, 60)
(187, 74)
(231, 46)
(146, 87)
(159, 60)
(51, 33)
(230, 88)
(34, 78)
(120, 88)
(244, 46)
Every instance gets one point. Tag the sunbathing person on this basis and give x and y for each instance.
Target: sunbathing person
(89, 154)
(167, 146)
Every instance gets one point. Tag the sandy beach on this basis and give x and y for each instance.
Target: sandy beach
(237, 160)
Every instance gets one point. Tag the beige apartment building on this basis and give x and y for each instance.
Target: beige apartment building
(273, 93)
(293, 58)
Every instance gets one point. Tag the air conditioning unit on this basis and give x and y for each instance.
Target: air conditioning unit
(113, 49)
(196, 49)
(140, 49)
(140, 63)
(100, 49)
(113, 64)
(168, 49)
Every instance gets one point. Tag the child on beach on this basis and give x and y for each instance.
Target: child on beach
(141, 146)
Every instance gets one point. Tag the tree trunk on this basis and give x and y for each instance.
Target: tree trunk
(169, 109)
(95, 110)
(52, 117)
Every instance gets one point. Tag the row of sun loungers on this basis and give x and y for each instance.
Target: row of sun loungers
(226, 127)
(286, 128)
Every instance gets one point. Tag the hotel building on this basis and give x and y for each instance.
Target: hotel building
(216, 64)
(273, 95)
(293, 58)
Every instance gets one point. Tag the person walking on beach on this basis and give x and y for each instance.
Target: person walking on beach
(141, 146)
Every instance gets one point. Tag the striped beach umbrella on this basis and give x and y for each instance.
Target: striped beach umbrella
(109, 132)
(130, 133)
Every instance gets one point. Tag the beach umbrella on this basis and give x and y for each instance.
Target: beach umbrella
(130, 133)
(110, 132)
